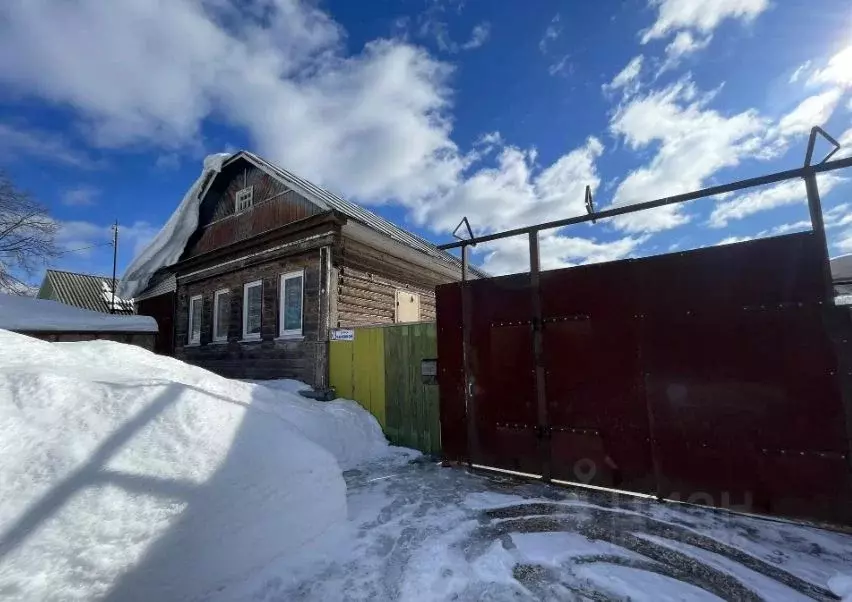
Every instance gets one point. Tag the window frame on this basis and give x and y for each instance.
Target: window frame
(246, 287)
(282, 280)
(218, 336)
(190, 323)
(250, 196)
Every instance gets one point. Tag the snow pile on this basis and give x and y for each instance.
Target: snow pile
(42, 315)
(168, 245)
(132, 476)
(841, 586)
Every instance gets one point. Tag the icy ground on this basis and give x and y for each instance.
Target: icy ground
(422, 532)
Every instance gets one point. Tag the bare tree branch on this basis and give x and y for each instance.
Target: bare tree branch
(27, 235)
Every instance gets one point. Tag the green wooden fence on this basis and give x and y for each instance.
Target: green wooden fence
(380, 369)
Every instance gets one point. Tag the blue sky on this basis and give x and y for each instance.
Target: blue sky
(428, 110)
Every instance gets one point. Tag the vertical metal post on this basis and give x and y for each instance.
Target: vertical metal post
(114, 261)
(543, 425)
(818, 225)
(469, 401)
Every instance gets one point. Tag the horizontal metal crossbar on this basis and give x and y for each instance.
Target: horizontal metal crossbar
(790, 174)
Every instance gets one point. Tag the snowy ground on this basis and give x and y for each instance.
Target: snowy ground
(129, 476)
(422, 532)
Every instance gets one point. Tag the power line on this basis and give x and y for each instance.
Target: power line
(102, 244)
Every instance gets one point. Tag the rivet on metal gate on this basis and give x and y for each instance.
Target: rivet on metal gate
(801, 453)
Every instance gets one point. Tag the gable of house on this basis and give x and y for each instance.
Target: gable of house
(277, 198)
(267, 203)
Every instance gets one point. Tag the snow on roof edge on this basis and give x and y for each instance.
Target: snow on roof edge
(169, 243)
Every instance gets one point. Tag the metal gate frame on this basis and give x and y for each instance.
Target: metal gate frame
(808, 172)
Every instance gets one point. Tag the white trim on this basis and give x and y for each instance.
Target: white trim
(386, 244)
(246, 287)
(218, 337)
(189, 339)
(259, 253)
(281, 297)
(247, 200)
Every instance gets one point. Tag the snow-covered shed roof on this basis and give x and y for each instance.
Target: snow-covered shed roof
(86, 291)
(26, 314)
(167, 247)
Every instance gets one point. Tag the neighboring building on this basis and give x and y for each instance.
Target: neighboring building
(275, 263)
(85, 291)
(53, 321)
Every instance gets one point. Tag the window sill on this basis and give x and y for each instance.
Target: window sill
(257, 340)
(291, 337)
(196, 344)
(222, 342)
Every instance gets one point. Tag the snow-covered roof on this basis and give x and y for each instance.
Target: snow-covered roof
(87, 291)
(167, 247)
(26, 314)
(841, 267)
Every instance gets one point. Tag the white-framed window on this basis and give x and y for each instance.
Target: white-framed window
(252, 305)
(290, 303)
(221, 314)
(244, 198)
(194, 330)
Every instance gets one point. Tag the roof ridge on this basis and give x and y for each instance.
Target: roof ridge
(81, 274)
(353, 209)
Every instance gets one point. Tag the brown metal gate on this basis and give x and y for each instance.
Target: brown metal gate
(718, 376)
(709, 376)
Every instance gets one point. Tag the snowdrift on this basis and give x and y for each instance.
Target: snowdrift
(129, 476)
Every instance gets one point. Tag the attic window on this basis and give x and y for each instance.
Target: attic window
(244, 198)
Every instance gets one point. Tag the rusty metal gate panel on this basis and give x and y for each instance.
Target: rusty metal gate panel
(709, 376)
(599, 431)
(502, 378)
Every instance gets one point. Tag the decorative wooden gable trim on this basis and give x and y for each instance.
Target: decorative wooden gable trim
(221, 223)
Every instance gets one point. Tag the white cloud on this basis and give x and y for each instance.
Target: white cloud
(683, 45)
(167, 161)
(838, 71)
(734, 239)
(80, 197)
(814, 110)
(515, 191)
(694, 142)
(845, 141)
(511, 255)
(478, 36)
(626, 79)
(75, 236)
(703, 15)
(561, 67)
(16, 142)
(769, 197)
(553, 31)
(374, 125)
(799, 72)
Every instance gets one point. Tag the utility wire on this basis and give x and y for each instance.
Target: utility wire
(102, 244)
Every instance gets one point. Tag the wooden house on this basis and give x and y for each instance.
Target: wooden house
(275, 264)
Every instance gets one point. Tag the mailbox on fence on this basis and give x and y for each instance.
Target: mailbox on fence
(429, 371)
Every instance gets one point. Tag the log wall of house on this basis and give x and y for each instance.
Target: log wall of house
(274, 205)
(304, 358)
(367, 282)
